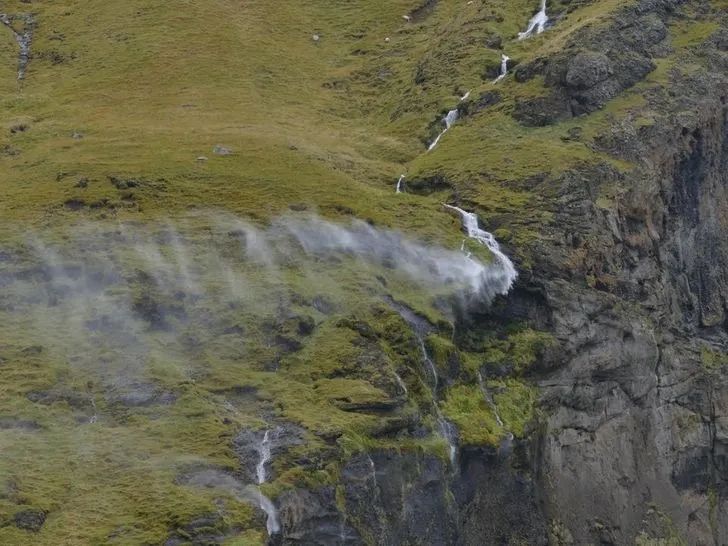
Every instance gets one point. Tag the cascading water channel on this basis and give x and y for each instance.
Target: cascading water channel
(500, 278)
(23, 39)
(448, 120)
(400, 184)
(537, 24)
(504, 68)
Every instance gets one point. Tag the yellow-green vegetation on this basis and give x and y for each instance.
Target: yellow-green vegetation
(713, 360)
(519, 349)
(466, 406)
(112, 133)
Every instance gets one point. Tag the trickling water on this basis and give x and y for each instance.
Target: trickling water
(265, 454)
(449, 120)
(504, 68)
(500, 281)
(489, 399)
(94, 417)
(430, 365)
(505, 445)
(401, 384)
(446, 429)
(400, 184)
(465, 96)
(23, 39)
(537, 23)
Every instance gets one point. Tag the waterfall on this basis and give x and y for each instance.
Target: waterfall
(501, 279)
(265, 454)
(272, 524)
(264, 450)
(465, 96)
(537, 23)
(449, 120)
(504, 68)
(400, 184)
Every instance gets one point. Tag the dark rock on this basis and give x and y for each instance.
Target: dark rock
(587, 69)
(30, 519)
(485, 100)
(542, 111)
(7, 423)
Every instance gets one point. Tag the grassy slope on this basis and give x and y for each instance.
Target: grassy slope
(328, 124)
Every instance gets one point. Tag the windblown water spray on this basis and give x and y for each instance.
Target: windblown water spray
(537, 24)
(504, 68)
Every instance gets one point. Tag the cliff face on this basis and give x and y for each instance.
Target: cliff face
(219, 324)
(631, 442)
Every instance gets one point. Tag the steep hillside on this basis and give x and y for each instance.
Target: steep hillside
(243, 299)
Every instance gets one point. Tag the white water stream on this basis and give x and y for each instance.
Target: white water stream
(501, 277)
(504, 68)
(264, 451)
(537, 24)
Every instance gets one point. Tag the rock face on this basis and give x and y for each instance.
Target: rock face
(597, 65)
(632, 442)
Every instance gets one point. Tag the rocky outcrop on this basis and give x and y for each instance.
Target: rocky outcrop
(597, 64)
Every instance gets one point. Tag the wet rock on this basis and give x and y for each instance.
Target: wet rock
(312, 517)
(203, 530)
(247, 445)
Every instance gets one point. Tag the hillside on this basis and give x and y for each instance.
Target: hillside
(247, 295)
